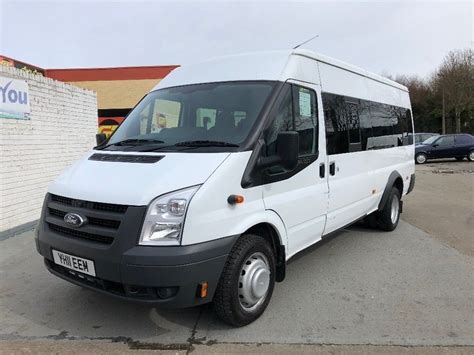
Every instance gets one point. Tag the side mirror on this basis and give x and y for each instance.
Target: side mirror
(287, 149)
(100, 138)
(435, 145)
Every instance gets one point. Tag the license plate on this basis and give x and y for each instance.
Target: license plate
(75, 263)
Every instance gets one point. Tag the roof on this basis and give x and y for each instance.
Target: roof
(116, 73)
(267, 65)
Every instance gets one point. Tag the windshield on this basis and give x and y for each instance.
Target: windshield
(430, 140)
(203, 115)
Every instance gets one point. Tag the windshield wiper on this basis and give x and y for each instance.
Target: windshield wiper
(133, 142)
(205, 143)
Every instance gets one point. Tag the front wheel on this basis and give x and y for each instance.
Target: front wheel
(247, 281)
(421, 158)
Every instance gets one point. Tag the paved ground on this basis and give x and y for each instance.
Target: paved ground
(442, 203)
(362, 291)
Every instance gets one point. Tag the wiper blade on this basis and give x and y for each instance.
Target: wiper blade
(205, 143)
(134, 142)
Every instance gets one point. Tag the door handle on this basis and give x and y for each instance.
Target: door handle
(322, 170)
(332, 168)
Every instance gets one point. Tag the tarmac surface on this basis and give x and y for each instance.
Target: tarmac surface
(361, 291)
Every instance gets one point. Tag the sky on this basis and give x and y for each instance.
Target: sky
(397, 37)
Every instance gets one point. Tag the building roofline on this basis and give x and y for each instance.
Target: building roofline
(110, 73)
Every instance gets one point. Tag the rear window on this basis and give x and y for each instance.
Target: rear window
(464, 139)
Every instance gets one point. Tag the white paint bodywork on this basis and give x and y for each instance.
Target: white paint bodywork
(302, 208)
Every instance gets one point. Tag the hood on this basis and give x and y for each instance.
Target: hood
(116, 180)
(421, 146)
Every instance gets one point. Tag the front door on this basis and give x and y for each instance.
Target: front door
(443, 147)
(300, 196)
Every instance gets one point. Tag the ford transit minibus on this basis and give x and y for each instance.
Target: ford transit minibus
(222, 173)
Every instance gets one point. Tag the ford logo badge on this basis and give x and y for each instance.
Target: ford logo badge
(74, 220)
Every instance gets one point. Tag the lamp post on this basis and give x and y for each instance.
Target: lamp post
(443, 117)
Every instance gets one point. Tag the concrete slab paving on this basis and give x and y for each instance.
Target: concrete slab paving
(360, 287)
(366, 287)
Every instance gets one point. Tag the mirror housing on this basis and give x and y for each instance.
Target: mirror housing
(287, 149)
(100, 138)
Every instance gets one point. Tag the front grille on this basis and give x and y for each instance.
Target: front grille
(100, 222)
(103, 220)
(69, 232)
(109, 207)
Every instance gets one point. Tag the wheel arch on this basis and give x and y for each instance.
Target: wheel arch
(394, 180)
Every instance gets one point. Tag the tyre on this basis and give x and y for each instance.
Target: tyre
(470, 155)
(390, 215)
(459, 158)
(247, 281)
(421, 158)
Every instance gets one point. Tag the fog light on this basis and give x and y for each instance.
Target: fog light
(166, 292)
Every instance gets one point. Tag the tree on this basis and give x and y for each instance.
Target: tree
(455, 78)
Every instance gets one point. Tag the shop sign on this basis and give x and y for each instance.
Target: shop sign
(14, 99)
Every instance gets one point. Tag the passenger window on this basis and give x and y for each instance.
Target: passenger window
(337, 135)
(353, 126)
(365, 124)
(461, 140)
(297, 111)
(304, 103)
(282, 122)
(445, 141)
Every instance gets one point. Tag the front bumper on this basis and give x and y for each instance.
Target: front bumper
(165, 276)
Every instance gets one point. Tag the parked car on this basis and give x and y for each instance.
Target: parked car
(456, 146)
(421, 137)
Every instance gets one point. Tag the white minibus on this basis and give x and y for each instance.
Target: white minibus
(222, 173)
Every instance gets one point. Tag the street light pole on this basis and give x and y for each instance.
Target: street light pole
(443, 119)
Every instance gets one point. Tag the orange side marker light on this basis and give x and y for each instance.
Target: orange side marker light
(235, 199)
(202, 290)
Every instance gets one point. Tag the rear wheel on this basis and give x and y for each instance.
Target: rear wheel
(470, 156)
(390, 215)
(421, 158)
(247, 281)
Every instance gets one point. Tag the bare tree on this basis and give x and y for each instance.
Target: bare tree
(455, 78)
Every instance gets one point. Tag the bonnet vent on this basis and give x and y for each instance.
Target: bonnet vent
(126, 158)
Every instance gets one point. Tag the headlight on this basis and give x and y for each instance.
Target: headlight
(165, 218)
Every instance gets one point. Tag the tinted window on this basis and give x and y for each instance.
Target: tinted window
(464, 139)
(445, 141)
(365, 124)
(337, 135)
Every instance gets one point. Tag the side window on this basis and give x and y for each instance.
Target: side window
(462, 140)
(337, 135)
(282, 122)
(353, 125)
(297, 111)
(305, 119)
(365, 124)
(445, 141)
